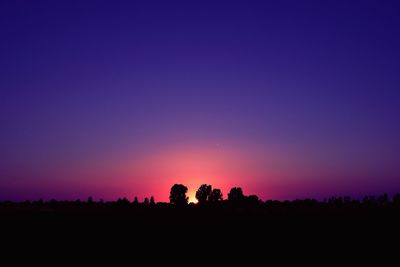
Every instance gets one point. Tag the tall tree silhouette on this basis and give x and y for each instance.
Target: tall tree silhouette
(178, 194)
(215, 196)
(146, 201)
(203, 193)
(152, 202)
(236, 194)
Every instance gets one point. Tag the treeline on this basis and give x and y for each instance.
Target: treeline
(207, 196)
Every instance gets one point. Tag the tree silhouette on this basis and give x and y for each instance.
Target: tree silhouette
(215, 196)
(136, 201)
(236, 194)
(203, 193)
(178, 194)
(152, 202)
(146, 201)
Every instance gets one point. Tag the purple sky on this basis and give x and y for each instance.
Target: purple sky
(288, 99)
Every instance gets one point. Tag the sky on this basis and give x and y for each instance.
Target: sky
(286, 99)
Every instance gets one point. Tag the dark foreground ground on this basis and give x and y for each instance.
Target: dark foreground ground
(229, 231)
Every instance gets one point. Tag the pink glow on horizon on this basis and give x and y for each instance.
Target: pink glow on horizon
(192, 167)
(278, 174)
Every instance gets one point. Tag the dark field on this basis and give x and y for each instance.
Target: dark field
(274, 219)
(229, 231)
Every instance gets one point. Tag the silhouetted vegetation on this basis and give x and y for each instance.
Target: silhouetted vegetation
(236, 194)
(203, 193)
(215, 196)
(178, 195)
(237, 200)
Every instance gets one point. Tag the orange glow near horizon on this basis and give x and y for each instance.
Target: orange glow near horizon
(192, 195)
(192, 167)
(221, 166)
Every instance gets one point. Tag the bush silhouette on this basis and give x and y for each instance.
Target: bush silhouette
(253, 199)
(178, 195)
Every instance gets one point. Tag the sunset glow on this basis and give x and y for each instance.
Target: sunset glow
(192, 196)
(284, 99)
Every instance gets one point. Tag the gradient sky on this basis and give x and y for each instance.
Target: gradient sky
(287, 99)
